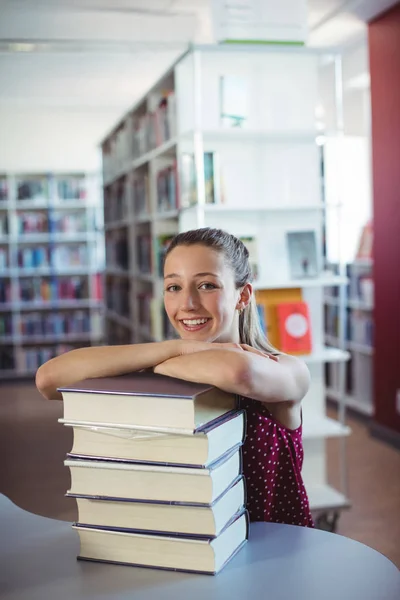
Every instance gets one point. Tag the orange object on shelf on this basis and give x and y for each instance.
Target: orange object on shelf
(269, 299)
(294, 328)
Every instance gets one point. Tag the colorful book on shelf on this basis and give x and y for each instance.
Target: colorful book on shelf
(178, 553)
(294, 328)
(198, 449)
(302, 252)
(161, 246)
(267, 301)
(146, 400)
(212, 180)
(163, 517)
(365, 246)
(250, 241)
(157, 482)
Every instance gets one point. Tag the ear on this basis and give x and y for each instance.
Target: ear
(246, 293)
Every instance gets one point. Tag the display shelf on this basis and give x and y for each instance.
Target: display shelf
(65, 338)
(58, 305)
(117, 272)
(260, 182)
(323, 427)
(350, 303)
(326, 355)
(52, 281)
(301, 283)
(350, 402)
(325, 497)
(361, 348)
(116, 225)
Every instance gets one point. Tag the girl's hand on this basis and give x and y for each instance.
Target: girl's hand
(190, 347)
(248, 348)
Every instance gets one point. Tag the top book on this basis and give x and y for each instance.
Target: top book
(146, 400)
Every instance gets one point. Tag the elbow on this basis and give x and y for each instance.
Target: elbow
(302, 381)
(240, 374)
(44, 383)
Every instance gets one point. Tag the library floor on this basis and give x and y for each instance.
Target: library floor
(33, 446)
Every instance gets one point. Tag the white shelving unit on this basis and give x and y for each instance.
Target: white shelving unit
(357, 304)
(51, 260)
(266, 183)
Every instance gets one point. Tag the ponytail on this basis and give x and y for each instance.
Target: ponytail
(250, 331)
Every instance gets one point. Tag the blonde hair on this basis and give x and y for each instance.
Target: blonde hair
(237, 256)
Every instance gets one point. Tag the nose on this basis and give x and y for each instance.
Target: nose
(189, 300)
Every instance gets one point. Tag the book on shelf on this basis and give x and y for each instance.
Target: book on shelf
(165, 117)
(3, 259)
(198, 449)
(294, 328)
(71, 187)
(6, 327)
(158, 482)
(3, 223)
(141, 194)
(179, 553)
(144, 253)
(362, 328)
(146, 400)
(365, 245)
(250, 241)
(188, 179)
(302, 249)
(32, 222)
(144, 309)
(46, 289)
(163, 517)
(33, 187)
(3, 189)
(69, 222)
(167, 189)
(7, 361)
(5, 291)
(267, 302)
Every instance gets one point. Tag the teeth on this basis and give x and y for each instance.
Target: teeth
(191, 322)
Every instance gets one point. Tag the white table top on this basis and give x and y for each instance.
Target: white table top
(280, 562)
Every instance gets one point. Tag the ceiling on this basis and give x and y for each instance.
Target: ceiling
(104, 54)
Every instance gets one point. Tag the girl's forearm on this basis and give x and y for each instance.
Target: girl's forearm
(222, 368)
(101, 361)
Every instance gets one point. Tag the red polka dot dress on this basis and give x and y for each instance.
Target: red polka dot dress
(272, 462)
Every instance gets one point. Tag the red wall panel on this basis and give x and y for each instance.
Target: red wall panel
(384, 49)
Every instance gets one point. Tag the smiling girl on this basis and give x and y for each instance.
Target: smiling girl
(209, 300)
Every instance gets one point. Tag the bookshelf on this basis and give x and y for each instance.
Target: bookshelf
(358, 337)
(51, 262)
(172, 164)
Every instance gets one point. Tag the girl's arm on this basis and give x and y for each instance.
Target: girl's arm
(246, 373)
(104, 361)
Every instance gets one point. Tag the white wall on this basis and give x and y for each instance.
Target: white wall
(54, 139)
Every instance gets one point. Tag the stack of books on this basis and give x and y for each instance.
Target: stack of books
(157, 473)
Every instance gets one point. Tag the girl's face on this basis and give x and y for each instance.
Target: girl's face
(200, 295)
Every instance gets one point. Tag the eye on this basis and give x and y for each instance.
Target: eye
(172, 288)
(208, 286)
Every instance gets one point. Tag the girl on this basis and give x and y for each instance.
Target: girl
(209, 300)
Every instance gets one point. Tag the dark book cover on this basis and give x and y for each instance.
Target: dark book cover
(140, 384)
